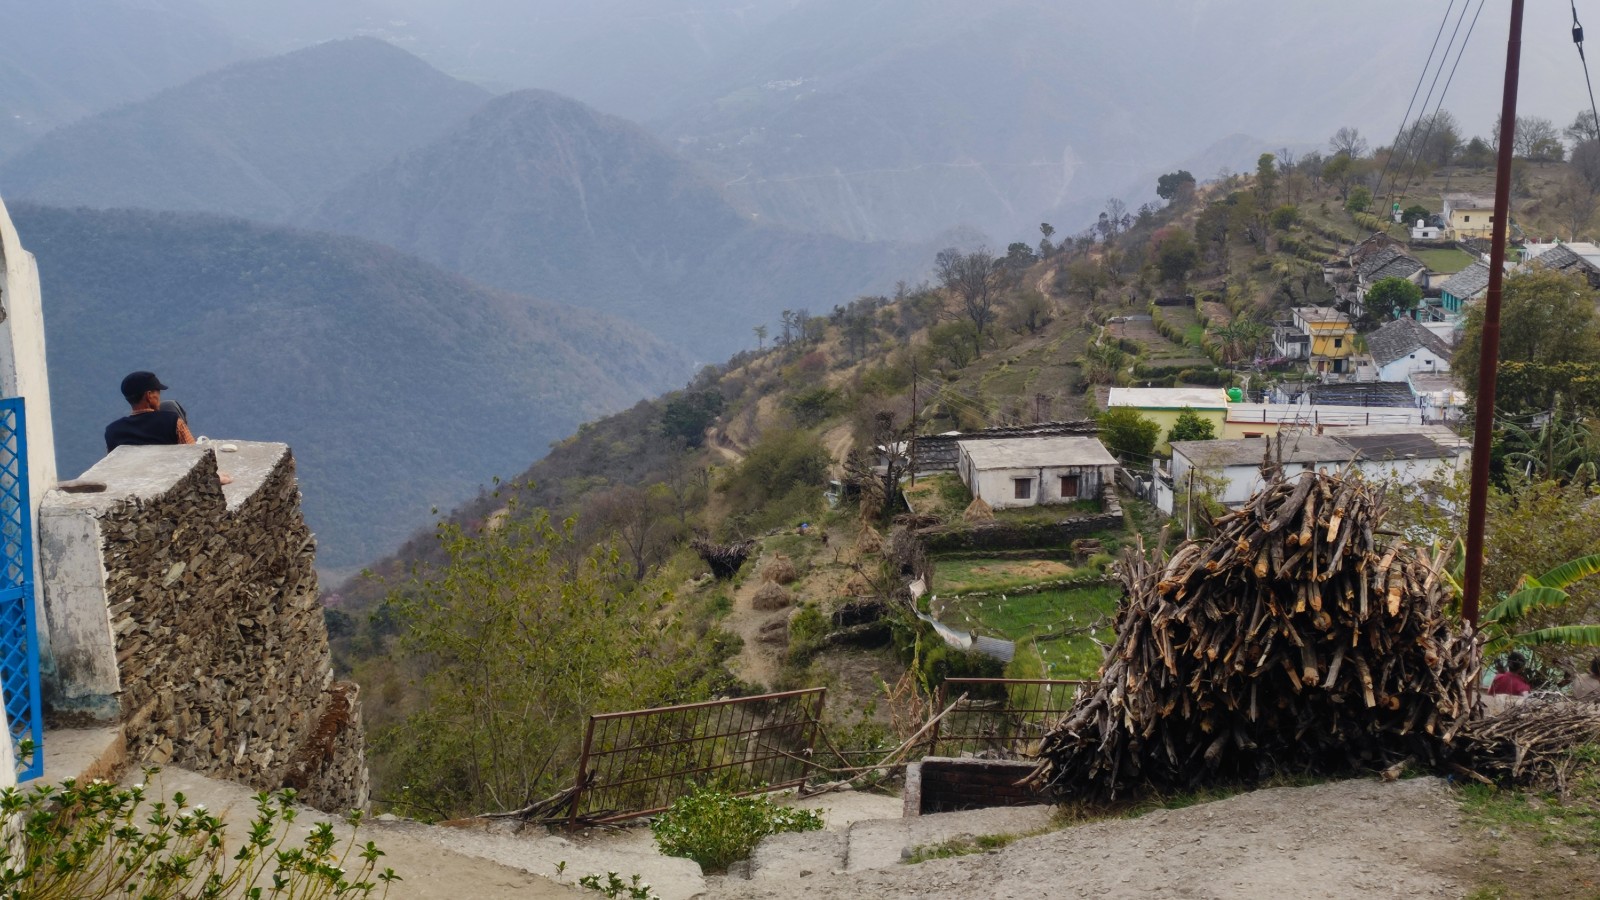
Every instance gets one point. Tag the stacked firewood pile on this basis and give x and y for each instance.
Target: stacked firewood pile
(1529, 744)
(1301, 638)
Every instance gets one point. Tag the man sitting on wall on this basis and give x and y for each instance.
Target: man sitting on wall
(147, 423)
(150, 421)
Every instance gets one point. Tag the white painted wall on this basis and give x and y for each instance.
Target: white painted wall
(1240, 483)
(1420, 360)
(997, 487)
(23, 374)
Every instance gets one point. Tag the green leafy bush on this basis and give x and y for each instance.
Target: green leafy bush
(807, 628)
(79, 841)
(716, 829)
(614, 888)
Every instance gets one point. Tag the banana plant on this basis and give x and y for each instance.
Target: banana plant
(1502, 624)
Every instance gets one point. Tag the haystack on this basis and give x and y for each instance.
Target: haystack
(978, 511)
(772, 596)
(780, 570)
(869, 542)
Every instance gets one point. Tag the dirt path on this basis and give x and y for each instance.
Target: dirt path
(757, 662)
(1355, 839)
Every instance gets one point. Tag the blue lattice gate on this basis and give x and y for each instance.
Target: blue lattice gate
(19, 642)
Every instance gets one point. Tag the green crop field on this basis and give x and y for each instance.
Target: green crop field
(1037, 622)
(1447, 262)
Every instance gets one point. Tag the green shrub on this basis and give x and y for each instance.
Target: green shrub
(614, 888)
(807, 628)
(943, 661)
(716, 829)
(99, 840)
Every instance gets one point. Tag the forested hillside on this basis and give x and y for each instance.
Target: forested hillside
(400, 387)
(736, 466)
(542, 194)
(261, 139)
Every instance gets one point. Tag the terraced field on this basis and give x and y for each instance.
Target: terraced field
(1154, 348)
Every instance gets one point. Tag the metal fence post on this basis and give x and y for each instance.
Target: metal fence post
(583, 775)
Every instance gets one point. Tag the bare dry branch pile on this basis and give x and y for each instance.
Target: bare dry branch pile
(1297, 639)
(724, 559)
(1531, 742)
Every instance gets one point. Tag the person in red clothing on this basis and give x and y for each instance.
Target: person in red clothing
(1510, 681)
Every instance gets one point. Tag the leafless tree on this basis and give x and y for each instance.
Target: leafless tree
(1116, 212)
(1575, 202)
(1348, 140)
(1586, 163)
(1288, 174)
(977, 279)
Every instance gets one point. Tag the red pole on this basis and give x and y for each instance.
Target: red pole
(1489, 352)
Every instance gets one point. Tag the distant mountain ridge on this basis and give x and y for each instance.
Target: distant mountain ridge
(64, 59)
(540, 193)
(260, 139)
(400, 387)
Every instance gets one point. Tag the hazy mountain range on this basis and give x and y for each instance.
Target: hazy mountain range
(400, 387)
(263, 139)
(899, 119)
(687, 168)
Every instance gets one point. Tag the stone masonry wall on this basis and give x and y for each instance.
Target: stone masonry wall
(221, 655)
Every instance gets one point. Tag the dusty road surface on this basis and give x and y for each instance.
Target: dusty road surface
(1351, 839)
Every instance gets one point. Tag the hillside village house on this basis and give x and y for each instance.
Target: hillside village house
(1439, 398)
(1582, 258)
(1164, 405)
(1390, 262)
(1321, 335)
(1035, 471)
(1252, 420)
(1467, 216)
(1471, 283)
(1404, 346)
(1230, 470)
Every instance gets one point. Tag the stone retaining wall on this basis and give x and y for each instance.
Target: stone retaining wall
(187, 611)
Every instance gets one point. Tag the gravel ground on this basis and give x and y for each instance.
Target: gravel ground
(1360, 838)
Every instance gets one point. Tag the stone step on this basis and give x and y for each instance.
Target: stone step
(83, 754)
(881, 843)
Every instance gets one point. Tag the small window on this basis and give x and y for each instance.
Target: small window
(1069, 486)
(1466, 218)
(1022, 488)
(1251, 434)
(1337, 343)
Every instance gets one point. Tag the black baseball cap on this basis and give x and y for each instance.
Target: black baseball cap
(134, 386)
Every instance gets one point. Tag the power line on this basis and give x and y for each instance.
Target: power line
(1577, 39)
(1443, 21)
(1431, 86)
(1410, 176)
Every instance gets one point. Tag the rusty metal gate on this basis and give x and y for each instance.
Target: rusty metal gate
(1006, 716)
(636, 763)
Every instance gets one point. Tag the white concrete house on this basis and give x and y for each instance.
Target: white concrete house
(1034, 471)
(1403, 347)
(1232, 469)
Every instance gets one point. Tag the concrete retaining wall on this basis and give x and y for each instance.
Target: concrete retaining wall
(187, 611)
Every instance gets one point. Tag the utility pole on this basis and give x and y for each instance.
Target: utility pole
(1188, 508)
(1489, 354)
